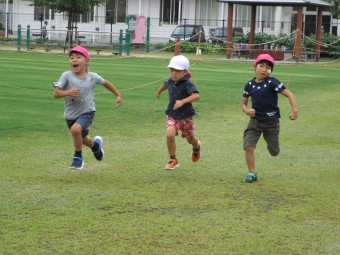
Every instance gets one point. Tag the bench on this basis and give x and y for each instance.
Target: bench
(308, 55)
(98, 50)
(65, 47)
(241, 52)
(276, 55)
(37, 35)
(305, 55)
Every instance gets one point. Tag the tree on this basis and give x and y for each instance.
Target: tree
(72, 8)
(335, 8)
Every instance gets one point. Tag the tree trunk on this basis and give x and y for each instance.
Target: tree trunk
(70, 28)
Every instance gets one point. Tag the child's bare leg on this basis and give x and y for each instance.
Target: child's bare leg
(250, 158)
(194, 142)
(77, 137)
(170, 141)
(88, 141)
(196, 146)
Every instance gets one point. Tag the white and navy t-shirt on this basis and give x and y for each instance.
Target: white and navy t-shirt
(264, 97)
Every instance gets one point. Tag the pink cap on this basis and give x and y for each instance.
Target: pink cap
(81, 50)
(266, 57)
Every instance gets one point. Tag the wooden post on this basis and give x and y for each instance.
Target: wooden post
(229, 49)
(252, 31)
(178, 46)
(318, 34)
(297, 52)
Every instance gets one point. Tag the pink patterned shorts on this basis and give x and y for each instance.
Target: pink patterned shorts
(185, 125)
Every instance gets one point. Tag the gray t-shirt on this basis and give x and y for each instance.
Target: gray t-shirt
(76, 106)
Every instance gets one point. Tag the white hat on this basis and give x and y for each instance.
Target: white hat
(179, 63)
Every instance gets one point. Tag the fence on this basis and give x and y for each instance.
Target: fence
(124, 40)
(159, 31)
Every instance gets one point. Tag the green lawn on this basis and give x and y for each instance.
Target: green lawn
(127, 204)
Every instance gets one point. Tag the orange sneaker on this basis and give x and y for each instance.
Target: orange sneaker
(196, 154)
(172, 164)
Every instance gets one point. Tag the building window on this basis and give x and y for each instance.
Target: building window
(115, 11)
(43, 13)
(81, 18)
(170, 12)
(207, 12)
(265, 17)
(242, 14)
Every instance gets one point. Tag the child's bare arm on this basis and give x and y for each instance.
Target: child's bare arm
(109, 86)
(244, 107)
(160, 90)
(59, 93)
(192, 98)
(291, 98)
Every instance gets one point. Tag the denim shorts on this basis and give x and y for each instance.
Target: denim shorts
(270, 131)
(84, 120)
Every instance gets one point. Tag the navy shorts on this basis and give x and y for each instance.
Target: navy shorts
(270, 131)
(84, 120)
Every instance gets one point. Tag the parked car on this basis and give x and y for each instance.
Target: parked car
(219, 35)
(190, 33)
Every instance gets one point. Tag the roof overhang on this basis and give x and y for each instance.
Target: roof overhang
(317, 3)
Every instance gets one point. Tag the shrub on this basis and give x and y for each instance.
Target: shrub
(330, 44)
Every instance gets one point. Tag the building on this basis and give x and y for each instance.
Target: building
(164, 16)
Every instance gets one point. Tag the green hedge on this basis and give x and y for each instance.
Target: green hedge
(330, 44)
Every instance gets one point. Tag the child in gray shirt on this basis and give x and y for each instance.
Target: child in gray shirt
(77, 88)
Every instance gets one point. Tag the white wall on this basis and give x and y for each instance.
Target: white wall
(23, 14)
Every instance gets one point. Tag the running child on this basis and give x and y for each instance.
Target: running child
(180, 111)
(77, 88)
(264, 113)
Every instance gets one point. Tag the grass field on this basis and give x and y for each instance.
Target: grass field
(127, 204)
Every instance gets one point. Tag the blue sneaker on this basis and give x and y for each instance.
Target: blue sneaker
(99, 154)
(77, 163)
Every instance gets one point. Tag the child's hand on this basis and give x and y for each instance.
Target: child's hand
(119, 101)
(158, 95)
(251, 112)
(74, 92)
(178, 104)
(293, 116)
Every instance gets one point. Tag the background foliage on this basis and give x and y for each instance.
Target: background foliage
(330, 44)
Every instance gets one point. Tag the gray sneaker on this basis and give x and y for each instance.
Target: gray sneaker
(99, 154)
(77, 163)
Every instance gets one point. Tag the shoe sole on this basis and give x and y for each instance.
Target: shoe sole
(172, 168)
(78, 168)
(245, 181)
(102, 156)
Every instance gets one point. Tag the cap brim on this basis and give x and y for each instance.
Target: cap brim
(176, 67)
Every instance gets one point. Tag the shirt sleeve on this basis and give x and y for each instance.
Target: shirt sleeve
(277, 85)
(246, 90)
(166, 83)
(97, 78)
(191, 88)
(62, 82)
